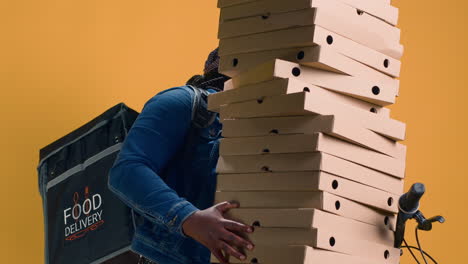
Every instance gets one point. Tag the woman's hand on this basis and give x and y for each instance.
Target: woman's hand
(210, 228)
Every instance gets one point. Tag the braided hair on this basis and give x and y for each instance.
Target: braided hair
(211, 78)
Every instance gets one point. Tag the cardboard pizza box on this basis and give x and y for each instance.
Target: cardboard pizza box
(336, 9)
(386, 12)
(311, 218)
(336, 126)
(310, 143)
(320, 57)
(282, 86)
(331, 15)
(319, 200)
(367, 66)
(383, 11)
(360, 98)
(286, 86)
(278, 68)
(296, 255)
(327, 239)
(230, 167)
(299, 37)
(302, 37)
(226, 3)
(313, 103)
(311, 181)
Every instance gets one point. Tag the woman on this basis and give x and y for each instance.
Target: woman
(166, 173)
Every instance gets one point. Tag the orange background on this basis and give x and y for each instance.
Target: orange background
(64, 62)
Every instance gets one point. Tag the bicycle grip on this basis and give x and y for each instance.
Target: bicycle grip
(410, 200)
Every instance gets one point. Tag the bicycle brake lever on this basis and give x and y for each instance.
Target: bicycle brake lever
(426, 224)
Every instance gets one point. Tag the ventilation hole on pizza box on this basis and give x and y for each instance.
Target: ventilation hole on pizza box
(300, 55)
(376, 90)
(386, 63)
(266, 150)
(386, 254)
(254, 260)
(373, 110)
(274, 131)
(359, 12)
(266, 169)
(332, 241)
(259, 101)
(235, 62)
(337, 205)
(266, 16)
(306, 89)
(296, 71)
(329, 40)
(335, 184)
(390, 201)
(256, 224)
(386, 220)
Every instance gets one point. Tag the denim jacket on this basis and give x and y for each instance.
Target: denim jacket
(165, 172)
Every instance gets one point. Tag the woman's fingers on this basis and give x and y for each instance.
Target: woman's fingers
(235, 240)
(228, 242)
(219, 255)
(228, 250)
(237, 227)
(225, 206)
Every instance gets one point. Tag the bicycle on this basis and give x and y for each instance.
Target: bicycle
(408, 208)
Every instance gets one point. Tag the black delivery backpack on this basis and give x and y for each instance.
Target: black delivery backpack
(84, 221)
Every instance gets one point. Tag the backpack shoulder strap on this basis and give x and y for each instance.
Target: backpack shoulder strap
(201, 116)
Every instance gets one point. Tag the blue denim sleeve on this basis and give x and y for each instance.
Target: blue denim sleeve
(158, 132)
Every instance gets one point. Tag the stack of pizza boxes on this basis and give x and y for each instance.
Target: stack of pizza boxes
(309, 149)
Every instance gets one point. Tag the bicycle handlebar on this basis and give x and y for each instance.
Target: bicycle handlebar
(409, 201)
